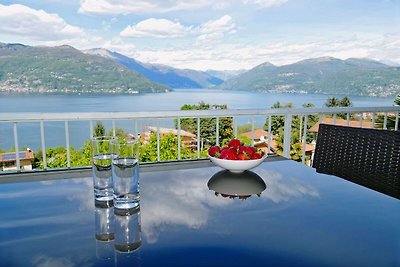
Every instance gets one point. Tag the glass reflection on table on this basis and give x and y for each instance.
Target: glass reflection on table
(127, 239)
(104, 232)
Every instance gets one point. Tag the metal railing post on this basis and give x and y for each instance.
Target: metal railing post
(179, 138)
(16, 146)
(217, 132)
(303, 150)
(158, 141)
(385, 121)
(269, 133)
(43, 144)
(67, 144)
(198, 137)
(287, 135)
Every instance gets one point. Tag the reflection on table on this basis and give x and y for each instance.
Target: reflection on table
(301, 218)
(236, 185)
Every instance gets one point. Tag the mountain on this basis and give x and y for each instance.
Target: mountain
(64, 69)
(325, 75)
(225, 74)
(175, 78)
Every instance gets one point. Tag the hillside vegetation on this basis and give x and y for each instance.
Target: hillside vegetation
(321, 75)
(172, 77)
(64, 69)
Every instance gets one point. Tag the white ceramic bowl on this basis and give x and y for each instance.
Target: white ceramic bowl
(237, 166)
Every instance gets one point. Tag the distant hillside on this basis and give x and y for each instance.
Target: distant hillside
(64, 69)
(175, 78)
(321, 75)
(225, 74)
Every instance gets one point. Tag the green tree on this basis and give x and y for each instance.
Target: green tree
(99, 129)
(397, 100)
(346, 102)
(168, 149)
(336, 102)
(208, 125)
(295, 145)
(332, 102)
(277, 122)
(297, 127)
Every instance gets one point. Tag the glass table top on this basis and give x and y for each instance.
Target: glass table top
(280, 214)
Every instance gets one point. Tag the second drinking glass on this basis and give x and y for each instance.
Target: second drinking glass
(125, 175)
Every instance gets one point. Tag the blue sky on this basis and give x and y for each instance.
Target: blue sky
(209, 34)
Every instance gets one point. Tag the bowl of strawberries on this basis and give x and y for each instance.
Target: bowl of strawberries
(236, 157)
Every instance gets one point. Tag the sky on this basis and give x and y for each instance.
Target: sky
(211, 34)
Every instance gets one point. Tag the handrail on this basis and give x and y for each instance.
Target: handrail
(60, 116)
(287, 113)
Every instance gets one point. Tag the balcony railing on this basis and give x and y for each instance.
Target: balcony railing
(135, 119)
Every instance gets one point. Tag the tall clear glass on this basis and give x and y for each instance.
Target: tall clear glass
(125, 173)
(102, 157)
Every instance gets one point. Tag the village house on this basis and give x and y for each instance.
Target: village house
(8, 160)
(188, 139)
(261, 142)
(340, 122)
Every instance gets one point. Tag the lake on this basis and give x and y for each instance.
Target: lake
(29, 133)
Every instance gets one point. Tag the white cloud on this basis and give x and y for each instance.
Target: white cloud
(46, 261)
(208, 33)
(37, 25)
(213, 31)
(140, 6)
(265, 3)
(113, 7)
(117, 44)
(236, 56)
(157, 28)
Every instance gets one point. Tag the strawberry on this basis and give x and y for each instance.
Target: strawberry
(223, 152)
(249, 151)
(231, 155)
(243, 156)
(214, 151)
(235, 143)
(256, 156)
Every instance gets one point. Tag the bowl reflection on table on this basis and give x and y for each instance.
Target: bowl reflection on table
(236, 185)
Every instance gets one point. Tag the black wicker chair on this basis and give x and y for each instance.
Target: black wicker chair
(369, 157)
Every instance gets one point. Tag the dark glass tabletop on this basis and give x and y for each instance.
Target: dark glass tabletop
(280, 214)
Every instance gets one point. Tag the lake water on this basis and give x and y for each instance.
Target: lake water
(29, 133)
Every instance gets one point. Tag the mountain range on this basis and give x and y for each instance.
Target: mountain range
(172, 77)
(326, 75)
(64, 69)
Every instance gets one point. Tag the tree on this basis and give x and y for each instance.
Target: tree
(336, 102)
(168, 149)
(277, 122)
(397, 100)
(208, 125)
(332, 102)
(391, 118)
(295, 145)
(277, 125)
(99, 129)
(346, 102)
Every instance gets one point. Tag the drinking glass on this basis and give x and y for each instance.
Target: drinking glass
(125, 176)
(102, 156)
